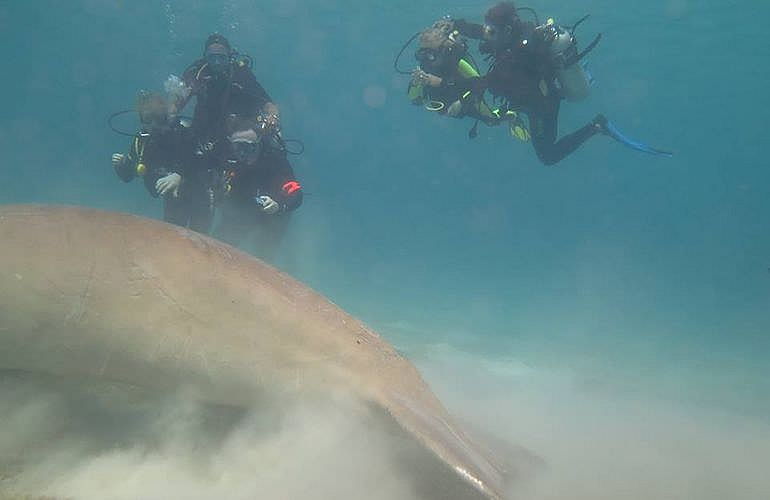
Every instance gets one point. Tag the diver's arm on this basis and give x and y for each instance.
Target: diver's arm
(127, 166)
(123, 170)
(169, 184)
(291, 196)
(283, 186)
(182, 153)
(422, 77)
(263, 98)
(458, 82)
(175, 161)
(155, 165)
(251, 88)
(259, 91)
(259, 101)
(190, 80)
(151, 178)
(161, 180)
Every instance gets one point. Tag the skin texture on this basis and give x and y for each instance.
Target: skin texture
(117, 297)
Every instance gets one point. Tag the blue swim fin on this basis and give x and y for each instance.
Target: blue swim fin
(608, 128)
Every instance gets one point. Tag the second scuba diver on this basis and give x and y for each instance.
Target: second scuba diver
(161, 153)
(223, 84)
(448, 82)
(524, 75)
(257, 184)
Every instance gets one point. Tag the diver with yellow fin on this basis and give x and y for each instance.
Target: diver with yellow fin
(447, 80)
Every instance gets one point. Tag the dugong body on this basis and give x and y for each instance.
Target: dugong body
(112, 296)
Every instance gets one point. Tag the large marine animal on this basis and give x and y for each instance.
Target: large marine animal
(111, 296)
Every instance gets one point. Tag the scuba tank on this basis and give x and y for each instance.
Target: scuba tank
(572, 78)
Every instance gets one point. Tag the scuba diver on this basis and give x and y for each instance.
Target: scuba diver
(223, 84)
(161, 153)
(533, 68)
(524, 75)
(446, 81)
(258, 188)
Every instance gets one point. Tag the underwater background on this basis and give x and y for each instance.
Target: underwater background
(610, 313)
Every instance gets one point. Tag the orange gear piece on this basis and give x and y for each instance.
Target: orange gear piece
(291, 187)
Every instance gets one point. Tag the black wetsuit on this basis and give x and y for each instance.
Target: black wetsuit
(456, 86)
(453, 84)
(470, 30)
(171, 151)
(217, 97)
(240, 186)
(523, 76)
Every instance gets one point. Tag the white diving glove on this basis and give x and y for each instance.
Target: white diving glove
(169, 184)
(267, 204)
(117, 159)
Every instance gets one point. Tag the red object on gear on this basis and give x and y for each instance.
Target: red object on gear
(291, 187)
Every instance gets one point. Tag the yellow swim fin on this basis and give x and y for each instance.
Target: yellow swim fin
(517, 127)
(520, 132)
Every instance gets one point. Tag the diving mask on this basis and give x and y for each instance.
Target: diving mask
(429, 56)
(245, 146)
(245, 150)
(218, 58)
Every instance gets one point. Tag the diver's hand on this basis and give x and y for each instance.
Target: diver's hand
(118, 159)
(169, 184)
(267, 204)
(272, 121)
(268, 124)
(271, 116)
(420, 77)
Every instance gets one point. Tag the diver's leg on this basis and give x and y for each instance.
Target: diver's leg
(234, 225)
(201, 208)
(270, 235)
(481, 111)
(543, 128)
(174, 210)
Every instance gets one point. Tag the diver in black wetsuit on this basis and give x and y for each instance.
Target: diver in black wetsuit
(523, 75)
(258, 188)
(162, 155)
(223, 84)
(447, 80)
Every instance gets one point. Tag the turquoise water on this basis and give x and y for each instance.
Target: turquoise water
(620, 272)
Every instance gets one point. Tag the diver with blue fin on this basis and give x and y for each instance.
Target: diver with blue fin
(608, 128)
(535, 66)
